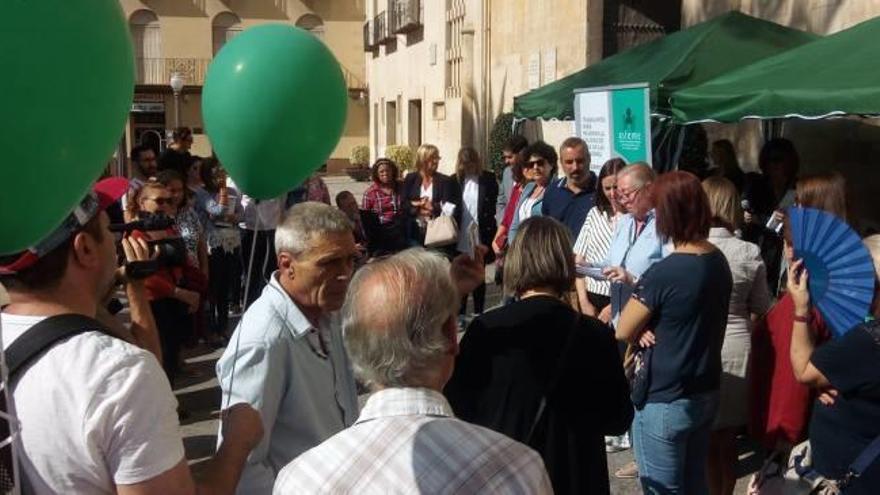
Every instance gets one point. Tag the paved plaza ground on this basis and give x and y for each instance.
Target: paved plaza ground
(199, 394)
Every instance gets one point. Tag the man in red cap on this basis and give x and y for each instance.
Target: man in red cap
(96, 414)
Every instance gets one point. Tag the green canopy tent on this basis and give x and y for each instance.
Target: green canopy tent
(834, 75)
(679, 60)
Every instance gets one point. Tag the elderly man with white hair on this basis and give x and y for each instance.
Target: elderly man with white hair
(401, 333)
(287, 358)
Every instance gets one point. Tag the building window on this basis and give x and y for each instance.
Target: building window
(312, 24)
(454, 23)
(225, 27)
(438, 110)
(146, 36)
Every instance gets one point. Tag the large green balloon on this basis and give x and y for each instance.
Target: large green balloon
(65, 91)
(274, 106)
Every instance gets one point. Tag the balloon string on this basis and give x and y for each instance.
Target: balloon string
(247, 288)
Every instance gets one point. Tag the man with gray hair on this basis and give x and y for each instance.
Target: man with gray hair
(401, 333)
(635, 246)
(286, 357)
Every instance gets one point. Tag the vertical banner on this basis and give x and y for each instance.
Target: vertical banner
(615, 121)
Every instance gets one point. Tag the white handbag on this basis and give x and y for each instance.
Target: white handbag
(441, 231)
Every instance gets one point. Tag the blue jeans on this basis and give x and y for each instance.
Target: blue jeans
(671, 442)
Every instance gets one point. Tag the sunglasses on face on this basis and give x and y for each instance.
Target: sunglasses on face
(536, 163)
(161, 201)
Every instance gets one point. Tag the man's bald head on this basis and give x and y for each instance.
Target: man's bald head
(394, 318)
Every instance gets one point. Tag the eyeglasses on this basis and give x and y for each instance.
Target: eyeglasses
(630, 193)
(161, 201)
(536, 163)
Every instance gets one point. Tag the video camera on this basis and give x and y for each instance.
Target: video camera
(170, 251)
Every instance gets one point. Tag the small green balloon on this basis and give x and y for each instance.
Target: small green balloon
(274, 106)
(66, 90)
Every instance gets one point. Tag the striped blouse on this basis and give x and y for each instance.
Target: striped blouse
(593, 243)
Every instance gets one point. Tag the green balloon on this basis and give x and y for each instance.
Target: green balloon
(274, 106)
(65, 91)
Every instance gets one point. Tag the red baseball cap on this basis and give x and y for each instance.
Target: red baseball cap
(104, 193)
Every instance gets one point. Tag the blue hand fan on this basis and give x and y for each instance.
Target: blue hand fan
(841, 272)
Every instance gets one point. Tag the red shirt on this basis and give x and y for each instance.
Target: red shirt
(386, 206)
(779, 405)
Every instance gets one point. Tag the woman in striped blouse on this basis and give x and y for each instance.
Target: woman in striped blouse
(595, 238)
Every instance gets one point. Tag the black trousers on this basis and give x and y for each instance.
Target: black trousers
(225, 271)
(174, 324)
(479, 300)
(264, 264)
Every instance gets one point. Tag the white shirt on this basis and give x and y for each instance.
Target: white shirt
(593, 243)
(267, 210)
(750, 293)
(525, 209)
(95, 412)
(407, 440)
(428, 191)
(470, 199)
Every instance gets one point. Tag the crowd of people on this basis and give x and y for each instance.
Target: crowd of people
(665, 313)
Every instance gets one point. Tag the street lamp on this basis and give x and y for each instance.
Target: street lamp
(177, 82)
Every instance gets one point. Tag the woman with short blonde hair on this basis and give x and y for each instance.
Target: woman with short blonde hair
(724, 202)
(425, 192)
(749, 299)
(425, 156)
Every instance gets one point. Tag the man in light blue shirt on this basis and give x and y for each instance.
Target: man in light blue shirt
(635, 245)
(287, 358)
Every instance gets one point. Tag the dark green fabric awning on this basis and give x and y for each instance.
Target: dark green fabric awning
(679, 60)
(835, 75)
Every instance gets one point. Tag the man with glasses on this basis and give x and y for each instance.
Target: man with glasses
(568, 199)
(635, 245)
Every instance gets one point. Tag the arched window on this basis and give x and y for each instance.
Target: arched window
(146, 37)
(225, 26)
(312, 23)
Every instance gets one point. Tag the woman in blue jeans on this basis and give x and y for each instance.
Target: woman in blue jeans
(677, 316)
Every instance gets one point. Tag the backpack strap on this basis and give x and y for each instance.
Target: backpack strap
(40, 337)
(867, 457)
(27, 348)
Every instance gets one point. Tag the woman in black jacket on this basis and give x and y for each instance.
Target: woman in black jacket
(425, 191)
(479, 195)
(542, 373)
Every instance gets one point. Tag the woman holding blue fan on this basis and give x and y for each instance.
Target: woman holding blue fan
(845, 426)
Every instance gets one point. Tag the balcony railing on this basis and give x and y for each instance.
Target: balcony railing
(406, 15)
(380, 29)
(158, 70)
(353, 82)
(371, 43)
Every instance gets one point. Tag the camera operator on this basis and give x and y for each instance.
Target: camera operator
(142, 332)
(96, 415)
(172, 301)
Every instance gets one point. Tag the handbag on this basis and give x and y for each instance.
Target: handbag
(637, 368)
(441, 231)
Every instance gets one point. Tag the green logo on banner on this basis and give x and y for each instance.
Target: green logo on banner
(630, 138)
